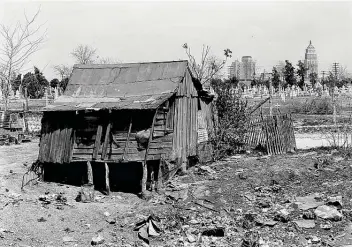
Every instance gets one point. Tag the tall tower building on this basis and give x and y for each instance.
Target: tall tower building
(235, 69)
(311, 60)
(244, 70)
(248, 68)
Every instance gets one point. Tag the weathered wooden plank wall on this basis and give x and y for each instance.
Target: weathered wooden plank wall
(56, 140)
(185, 121)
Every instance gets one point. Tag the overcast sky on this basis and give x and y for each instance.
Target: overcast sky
(155, 31)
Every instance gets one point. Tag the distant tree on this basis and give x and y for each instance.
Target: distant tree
(301, 72)
(16, 82)
(289, 74)
(275, 80)
(209, 66)
(64, 71)
(54, 82)
(35, 84)
(84, 54)
(63, 84)
(254, 82)
(17, 44)
(342, 73)
(330, 80)
(313, 78)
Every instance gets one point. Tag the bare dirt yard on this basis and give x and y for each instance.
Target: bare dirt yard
(300, 199)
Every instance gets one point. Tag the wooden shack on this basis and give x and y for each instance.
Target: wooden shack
(106, 107)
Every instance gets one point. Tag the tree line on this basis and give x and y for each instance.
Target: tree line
(288, 75)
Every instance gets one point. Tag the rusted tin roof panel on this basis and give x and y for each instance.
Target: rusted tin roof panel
(124, 89)
(115, 85)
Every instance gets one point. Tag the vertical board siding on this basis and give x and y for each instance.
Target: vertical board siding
(56, 140)
(185, 120)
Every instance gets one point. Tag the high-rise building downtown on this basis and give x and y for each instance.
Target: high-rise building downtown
(244, 70)
(311, 60)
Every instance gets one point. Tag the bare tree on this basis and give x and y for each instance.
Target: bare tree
(342, 72)
(108, 60)
(64, 71)
(209, 65)
(18, 43)
(84, 54)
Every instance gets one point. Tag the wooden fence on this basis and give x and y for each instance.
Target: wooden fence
(273, 133)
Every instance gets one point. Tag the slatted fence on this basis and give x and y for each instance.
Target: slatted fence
(273, 133)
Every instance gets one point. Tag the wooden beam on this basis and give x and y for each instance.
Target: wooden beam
(106, 141)
(97, 142)
(107, 180)
(259, 105)
(89, 173)
(128, 139)
(144, 163)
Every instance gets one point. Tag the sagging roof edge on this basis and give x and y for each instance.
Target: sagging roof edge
(121, 65)
(144, 108)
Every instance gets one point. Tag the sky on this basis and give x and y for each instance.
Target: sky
(155, 31)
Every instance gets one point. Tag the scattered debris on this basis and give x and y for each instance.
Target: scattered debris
(282, 215)
(176, 191)
(308, 215)
(191, 238)
(41, 219)
(329, 213)
(206, 169)
(111, 220)
(305, 223)
(148, 228)
(97, 240)
(215, 232)
(335, 201)
(251, 239)
(326, 226)
(307, 202)
(86, 194)
(68, 239)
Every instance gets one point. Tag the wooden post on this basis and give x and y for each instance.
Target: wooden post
(107, 137)
(89, 173)
(46, 96)
(144, 163)
(97, 141)
(26, 98)
(106, 141)
(107, 180)
(127, 140)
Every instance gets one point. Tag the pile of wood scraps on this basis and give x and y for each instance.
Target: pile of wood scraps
(9, 139)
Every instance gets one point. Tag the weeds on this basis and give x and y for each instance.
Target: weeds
(231, 117)
(315, 106)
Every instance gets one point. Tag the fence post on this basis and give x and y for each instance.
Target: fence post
(46, 96)
(26, 98)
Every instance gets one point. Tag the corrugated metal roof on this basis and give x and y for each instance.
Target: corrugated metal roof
(133, 102)
(120, 86)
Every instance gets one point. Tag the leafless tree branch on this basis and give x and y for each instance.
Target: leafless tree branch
(63, 71)
(209, 66)
(84, 54)
(18, 44)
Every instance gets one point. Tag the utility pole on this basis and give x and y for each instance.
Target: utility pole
(335, 68)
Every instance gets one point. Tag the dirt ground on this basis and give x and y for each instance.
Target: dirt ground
(222, 204)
